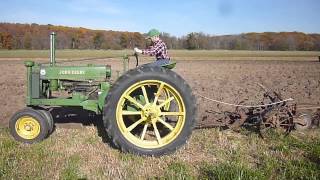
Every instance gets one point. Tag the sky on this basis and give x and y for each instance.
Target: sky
(215, 17)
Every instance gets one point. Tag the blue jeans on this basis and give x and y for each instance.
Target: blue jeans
(158, 62)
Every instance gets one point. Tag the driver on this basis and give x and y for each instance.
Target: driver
(157, 49)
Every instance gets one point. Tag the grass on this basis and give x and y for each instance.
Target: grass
(210, 154)
(178, 170)
(71, 171)
(229, 171)
(175, 54)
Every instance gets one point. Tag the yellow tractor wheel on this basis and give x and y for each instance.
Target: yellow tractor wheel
(29, 126)
(150, 111)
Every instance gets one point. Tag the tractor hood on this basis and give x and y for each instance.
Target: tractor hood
(75, 73)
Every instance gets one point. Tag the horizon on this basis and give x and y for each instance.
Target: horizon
(56, 25)
(216, 17)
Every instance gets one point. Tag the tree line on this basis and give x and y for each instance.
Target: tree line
(34, 36)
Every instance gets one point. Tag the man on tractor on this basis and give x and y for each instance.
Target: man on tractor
(157, 49)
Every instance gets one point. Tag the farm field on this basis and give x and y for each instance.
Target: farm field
(176, 54)
(76, 148)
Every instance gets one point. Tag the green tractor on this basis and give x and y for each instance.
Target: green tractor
(147, 111)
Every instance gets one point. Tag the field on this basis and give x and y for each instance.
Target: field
(176, 54)
(76, 149)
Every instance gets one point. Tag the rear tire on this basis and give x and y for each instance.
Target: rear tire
(138, 119)
(29, 126)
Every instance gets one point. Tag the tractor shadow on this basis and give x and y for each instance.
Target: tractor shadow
(74, 118)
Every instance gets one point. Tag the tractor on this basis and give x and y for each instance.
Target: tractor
(146, 111)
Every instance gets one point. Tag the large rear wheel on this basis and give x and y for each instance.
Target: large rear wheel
(149, 111)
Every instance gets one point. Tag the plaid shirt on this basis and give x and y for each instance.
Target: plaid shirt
(158, 49)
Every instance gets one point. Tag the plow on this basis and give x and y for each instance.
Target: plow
(146, 111)
(272, 114)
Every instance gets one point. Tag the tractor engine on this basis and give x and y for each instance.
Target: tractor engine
(85, 87)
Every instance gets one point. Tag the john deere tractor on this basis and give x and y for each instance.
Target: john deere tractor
(147, 111)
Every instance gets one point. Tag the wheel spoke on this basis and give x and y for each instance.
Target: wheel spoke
(158, 93)
(166, 102)
(166, 124)
(134, 102)
(144, 131)
(131, 112)
(172, 113)
(286, 125)
(157, 132)
(134, 125)
(283, 121)
(145, 94)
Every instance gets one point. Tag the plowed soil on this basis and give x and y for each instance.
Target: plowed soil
(229, 81)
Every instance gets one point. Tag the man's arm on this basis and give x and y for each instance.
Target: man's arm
(153, 50)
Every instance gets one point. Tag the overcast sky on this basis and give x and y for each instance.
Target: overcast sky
(175, 17)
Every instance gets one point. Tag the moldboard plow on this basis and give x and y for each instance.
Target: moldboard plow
(272, 114)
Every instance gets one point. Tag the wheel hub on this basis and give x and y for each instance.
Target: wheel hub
(151, 112)
(27, 127)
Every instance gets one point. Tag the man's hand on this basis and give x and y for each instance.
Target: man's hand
(137, 50)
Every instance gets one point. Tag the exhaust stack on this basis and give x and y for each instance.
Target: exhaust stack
(52, 49)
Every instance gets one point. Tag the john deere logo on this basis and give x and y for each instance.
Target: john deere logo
(72, 72)
(42, 72)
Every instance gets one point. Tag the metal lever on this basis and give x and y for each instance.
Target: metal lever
(137, 59)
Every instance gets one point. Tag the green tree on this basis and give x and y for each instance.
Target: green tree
(27, 41)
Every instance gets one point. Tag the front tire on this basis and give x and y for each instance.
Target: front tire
(29, 126)
(49, 119)
(149, 111)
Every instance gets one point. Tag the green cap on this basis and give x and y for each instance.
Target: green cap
(152, 33)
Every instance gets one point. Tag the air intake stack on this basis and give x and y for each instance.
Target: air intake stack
(52, 49)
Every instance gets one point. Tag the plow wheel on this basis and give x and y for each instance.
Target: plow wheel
(149, 111)
(276, 122)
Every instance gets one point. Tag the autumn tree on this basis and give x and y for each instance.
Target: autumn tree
(124, 40)
(98, 40)
(191, 41)
(6, 41)
(34, 36)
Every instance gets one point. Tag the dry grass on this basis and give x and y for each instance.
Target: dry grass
(210, 153)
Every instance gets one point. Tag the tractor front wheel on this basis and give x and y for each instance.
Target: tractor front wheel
(149, 111)
(29, 126)
(49, 118)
